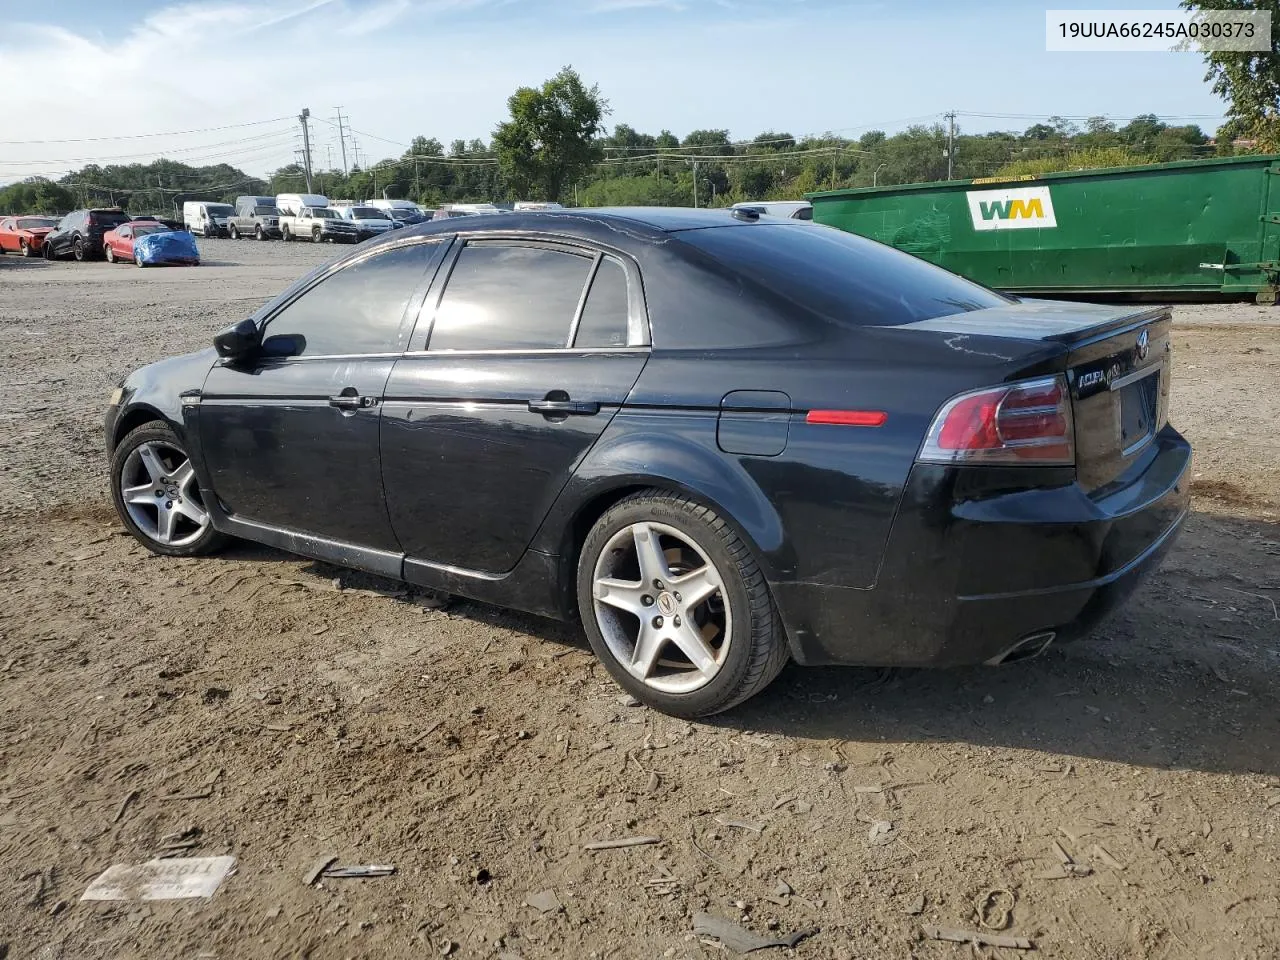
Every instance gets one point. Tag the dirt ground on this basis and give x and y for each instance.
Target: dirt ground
(281, 711)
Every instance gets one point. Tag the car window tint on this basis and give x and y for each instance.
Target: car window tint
(804, 213)
(840, 276)
(356, 310)
(509, 297)
(604, 317)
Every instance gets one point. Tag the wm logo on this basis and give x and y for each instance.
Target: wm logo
(1016, 208)
(1011, 209)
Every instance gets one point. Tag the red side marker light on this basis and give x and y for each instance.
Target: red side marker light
(847, 418)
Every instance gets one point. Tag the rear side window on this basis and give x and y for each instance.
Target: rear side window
(354, 311)
(506, 296)
(841, 276)
(604, 316)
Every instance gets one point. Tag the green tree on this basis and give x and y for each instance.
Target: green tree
(1248, 82)
(550, 140)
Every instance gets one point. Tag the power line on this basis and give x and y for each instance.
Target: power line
(140, 136)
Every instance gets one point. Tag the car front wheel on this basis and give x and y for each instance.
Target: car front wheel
(157, 495)
(233, 233)
(676, 607)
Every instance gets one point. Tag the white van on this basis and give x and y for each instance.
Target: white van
(790, 209)
(206, 218)
(529, 206)
(390, 205)
(291, 204)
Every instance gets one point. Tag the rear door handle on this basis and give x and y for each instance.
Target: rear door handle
(564, 408)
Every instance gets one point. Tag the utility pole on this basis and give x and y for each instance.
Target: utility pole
(342, 139)
(951, 143)
(695, 184)
(306, 145)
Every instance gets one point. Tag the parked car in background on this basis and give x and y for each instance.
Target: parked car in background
(721, 440)
(369, 221)
(148, 243)
(254, 218)
(25, 235)
(79, 234)
(318, 224)
(291, 204)
(532, 206)
(167, 221)
(790, 209)
(205, 218)
(411, 218)
(447, 211)
(401, 211)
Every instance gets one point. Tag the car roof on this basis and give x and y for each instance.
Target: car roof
(640, 222)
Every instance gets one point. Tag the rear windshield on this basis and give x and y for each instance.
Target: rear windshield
(142, 229)
(108, 216)
(265, 211)
(841, 276)
(35, 223)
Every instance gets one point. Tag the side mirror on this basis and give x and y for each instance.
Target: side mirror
(238, 340)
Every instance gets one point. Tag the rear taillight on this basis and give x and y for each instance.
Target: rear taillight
(1019, 423)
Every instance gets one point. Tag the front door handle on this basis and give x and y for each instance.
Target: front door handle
(564, 408)
(352, 401)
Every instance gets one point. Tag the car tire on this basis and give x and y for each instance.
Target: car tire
(233, 233)
(77, 250)
(151, 457)
(25, 249)
(316, 236)
(109, 253)
(736, 633)
(285, 235)
(258, 234)
(138, 263)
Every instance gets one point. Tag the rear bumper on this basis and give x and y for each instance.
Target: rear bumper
(976, 563)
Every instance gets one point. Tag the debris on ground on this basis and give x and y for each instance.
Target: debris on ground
(319, 867)
(995, 908)
(881, 832)
(620, 842)
(741, 940)
(544, 901)
(359, 872)
(753, 825)
(977, 938)
(915, 907)
(162, 879)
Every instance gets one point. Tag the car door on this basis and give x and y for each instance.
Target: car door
(290, 437)
(121, 242)
(521, 358)
(65, 234)
(8, 238)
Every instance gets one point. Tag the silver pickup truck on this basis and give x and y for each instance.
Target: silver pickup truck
(317, 224)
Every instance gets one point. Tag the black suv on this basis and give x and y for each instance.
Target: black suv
(80, 233)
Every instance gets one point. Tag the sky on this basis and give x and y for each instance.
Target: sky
(102, 78)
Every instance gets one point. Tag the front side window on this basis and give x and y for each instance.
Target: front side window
(508, 296)
(356, 310)
(604, 316)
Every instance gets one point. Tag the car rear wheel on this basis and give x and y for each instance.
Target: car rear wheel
(157, 495)
(77, 249)
(676, 607)
(233, 233)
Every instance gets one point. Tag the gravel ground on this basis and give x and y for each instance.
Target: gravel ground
(249, 705)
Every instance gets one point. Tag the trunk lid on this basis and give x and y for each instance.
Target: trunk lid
(1116, 361)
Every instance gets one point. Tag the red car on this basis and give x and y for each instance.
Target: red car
(25, 235)
(117, 244)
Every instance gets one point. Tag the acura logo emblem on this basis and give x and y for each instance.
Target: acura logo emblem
(1144, 344)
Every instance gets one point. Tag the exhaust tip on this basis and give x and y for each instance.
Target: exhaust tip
(1027, 648)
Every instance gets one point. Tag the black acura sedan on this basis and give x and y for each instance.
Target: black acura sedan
(721, 440)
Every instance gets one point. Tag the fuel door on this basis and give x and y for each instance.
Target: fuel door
(754, 422)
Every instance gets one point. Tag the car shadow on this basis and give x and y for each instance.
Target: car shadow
(1186, 675)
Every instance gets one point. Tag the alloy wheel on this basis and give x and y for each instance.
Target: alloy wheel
(661, 607)
(159, 490)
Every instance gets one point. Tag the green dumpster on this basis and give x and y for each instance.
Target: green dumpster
(1193, 228)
